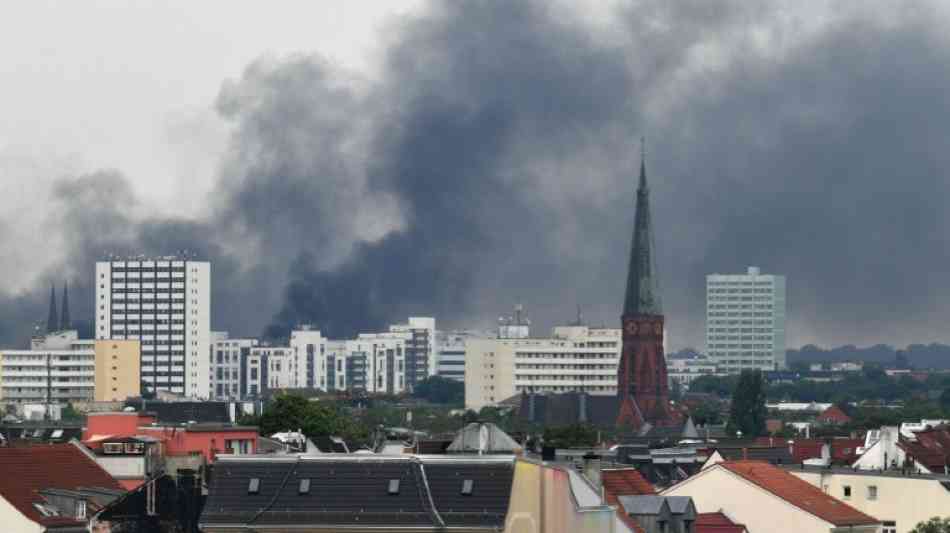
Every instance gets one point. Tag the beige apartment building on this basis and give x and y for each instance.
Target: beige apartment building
(118, 372)
(573, 359)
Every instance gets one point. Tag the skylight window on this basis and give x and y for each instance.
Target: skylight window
(254, 486)
(393, 486)
(467, 487)
(304, 487)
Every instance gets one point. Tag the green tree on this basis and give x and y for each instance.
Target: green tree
(747, 413)
(290, 412)
(438, 389)
(573, 436)
(934, 525)
(706, 413)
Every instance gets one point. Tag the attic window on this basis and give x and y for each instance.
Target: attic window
(112, 447)
(46, 510)
(57, 434)
(254, 486)
(304, 487)
(393, 487)
(467, 486)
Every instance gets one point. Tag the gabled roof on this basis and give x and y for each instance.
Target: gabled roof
(931, 449)
(716, 523)
(483, 438)
(834, 414)
(798, 492)
(618, 482)
(27, 471)
(348, 491)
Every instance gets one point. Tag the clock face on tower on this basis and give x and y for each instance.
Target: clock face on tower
(632, 328)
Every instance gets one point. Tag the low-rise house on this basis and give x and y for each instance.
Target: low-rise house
(833, 416)
(130, 460)
(50, 488)
(900, 500)
(761, 495)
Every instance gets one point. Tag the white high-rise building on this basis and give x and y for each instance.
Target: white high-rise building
(573, 359)
(745, 321)
(58, 368)
(421, 348)
(229, 368)
(309, 349)
(166, 304)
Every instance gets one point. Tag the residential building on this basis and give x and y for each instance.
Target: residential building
(129, 460)
(117, 369)
(898, 500)
(450, 362)
(166, 304)
(49, 488)
(745, 320)
(58, 368)
(573, 359)
(683, 370)
(761, 495)
(421, 348)
(229, 368)
(308, 367)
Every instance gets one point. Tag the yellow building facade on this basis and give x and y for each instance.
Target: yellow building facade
(118, 374)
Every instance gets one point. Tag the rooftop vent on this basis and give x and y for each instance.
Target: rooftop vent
(393, 486)
(467, 487)
(304, 487)
(254, 486)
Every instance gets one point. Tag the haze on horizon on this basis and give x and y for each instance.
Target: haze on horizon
(353, 165)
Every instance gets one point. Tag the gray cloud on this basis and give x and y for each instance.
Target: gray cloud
(493, 162)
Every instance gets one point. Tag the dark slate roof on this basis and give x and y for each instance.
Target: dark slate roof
(776, 455)
(569, 408)
(347, 490)
(643, 291)
(183, 412)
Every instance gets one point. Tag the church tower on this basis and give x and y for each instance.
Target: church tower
(642, 384)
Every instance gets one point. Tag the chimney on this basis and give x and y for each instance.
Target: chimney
(592, 468)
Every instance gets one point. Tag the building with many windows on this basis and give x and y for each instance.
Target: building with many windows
(58, 368)
(229, 368)
(421, 355)
(745, 321)
(166, 304)
(573, 359)
(450, 362)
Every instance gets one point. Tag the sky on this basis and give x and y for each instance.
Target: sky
(349, 164)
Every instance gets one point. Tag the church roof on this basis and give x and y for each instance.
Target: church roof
(643, 291)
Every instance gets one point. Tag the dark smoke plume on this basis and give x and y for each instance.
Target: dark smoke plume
(494, 162)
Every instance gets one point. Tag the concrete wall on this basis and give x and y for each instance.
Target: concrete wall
(542, 500)
(904, 500)
(117, 369)
(13, 520)
(489, 372)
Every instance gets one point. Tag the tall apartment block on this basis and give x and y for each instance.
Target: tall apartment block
(229, 368)
(745, 321)
(166, 304)
(421, 348)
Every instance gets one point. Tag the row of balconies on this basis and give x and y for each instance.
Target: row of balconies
(148, 307)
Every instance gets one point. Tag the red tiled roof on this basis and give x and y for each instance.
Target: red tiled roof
(28, 470)
(625, 482)
(834, 414)
(716, 523)
(931, 449)
(799, 493)
(842, 450)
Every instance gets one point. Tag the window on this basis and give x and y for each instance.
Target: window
(872, 492)
(847, 492)
(467, 486)
(890, 526)
(304, 487)
(254, 486)
(81, 510)
(112, 447)
(393, 488)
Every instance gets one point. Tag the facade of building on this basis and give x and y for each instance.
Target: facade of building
(682, 371)
(308, 368)
(745, 321)
(450, 362)
(117, 370)
(761, 495)
(166, 304)
(574, 359)
(900, 501)
(229, 366)
(59, 368)
(421, 357)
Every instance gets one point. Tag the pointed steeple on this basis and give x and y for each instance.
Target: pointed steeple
(643, 290)
(64, 321)
(52, 320)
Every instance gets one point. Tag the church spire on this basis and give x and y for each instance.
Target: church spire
(52, 323)
(64, 321)
(643, 291)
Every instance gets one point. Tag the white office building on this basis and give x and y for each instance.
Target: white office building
(309, 349)
(166, 304)
(573, 359)
(421, 355)
(229, 368)
(58, 368)
(450, 362)
(745, 321)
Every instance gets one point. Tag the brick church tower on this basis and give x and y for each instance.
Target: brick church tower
(642, 385)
